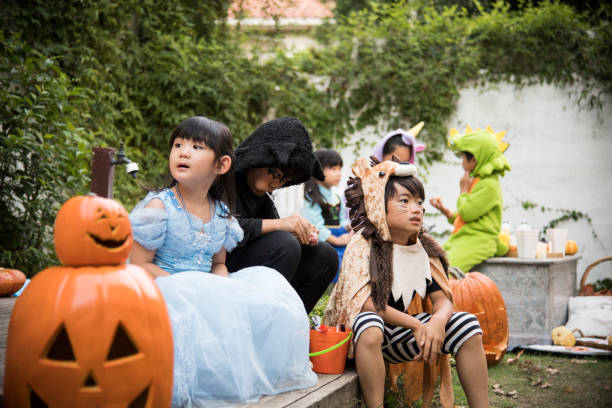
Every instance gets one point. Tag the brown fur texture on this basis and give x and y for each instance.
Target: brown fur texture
(433, 249)
(381, 273)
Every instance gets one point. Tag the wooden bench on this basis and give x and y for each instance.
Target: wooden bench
(6, 307)
(331, 391)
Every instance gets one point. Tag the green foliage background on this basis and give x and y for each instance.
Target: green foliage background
(83, 73)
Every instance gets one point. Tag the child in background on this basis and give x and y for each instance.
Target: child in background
(325, 209)
(401, 144)
(477, 222)
(223, 352)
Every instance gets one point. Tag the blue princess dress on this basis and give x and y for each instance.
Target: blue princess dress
(235, 338)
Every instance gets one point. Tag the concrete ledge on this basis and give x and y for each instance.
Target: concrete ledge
(536, 294)
(529, 261)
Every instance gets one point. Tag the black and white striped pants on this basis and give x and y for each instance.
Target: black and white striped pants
(399, 344)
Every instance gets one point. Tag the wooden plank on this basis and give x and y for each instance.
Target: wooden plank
(343, 392)
(6, 307)
(3, 333)
(286, 398)
(2, 358)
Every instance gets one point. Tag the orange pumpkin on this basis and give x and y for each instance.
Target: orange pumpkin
(571, 247)
(91, 335)
(92, 230)
(478, 294)
(11, 280)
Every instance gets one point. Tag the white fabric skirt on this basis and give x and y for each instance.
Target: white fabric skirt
(236, 338)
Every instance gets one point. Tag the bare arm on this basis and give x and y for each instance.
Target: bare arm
(218, 263)
(339, 241)
(295, 224)
(436, 202)
(144, 258)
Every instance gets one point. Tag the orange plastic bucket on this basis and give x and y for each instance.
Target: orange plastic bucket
(328, 350)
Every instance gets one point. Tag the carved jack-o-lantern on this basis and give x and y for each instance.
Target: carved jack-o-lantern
(91, 230)
(476, 293)
(92, 335)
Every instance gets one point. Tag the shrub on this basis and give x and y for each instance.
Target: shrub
(43, 153)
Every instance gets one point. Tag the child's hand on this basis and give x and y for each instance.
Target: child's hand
(419, 336)
(300, 227)
(465, 183)
(436, 202)
(434, 333)
(314, 238)
(344, 239)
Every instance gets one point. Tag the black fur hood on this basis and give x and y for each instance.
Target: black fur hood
(282, 142)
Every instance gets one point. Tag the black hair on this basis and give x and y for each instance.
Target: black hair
(218, 138)
(327, 158)
(468, 155)
(393, 143)
(410, 183)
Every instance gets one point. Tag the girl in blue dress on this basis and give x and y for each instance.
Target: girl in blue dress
(324, 208)
(236, 337)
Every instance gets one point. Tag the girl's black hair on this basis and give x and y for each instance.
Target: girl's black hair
(393, 143)
(410, 183)
(327, 158)
(218, 138)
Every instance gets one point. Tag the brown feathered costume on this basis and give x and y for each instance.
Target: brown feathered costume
(367, 270)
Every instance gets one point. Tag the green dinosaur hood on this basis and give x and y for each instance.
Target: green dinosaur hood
(485, 148)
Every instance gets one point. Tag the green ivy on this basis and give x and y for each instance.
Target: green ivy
(132, 70)
(42, 153)
(405, 62)
(566, 215)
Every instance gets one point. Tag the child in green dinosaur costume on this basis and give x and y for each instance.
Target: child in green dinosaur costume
(477, 221)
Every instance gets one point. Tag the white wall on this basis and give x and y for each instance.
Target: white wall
(561, 158)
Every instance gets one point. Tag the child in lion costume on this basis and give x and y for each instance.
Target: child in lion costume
(394, 295)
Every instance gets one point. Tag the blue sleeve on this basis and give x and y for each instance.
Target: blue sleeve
(233, 232)
(149, 226)
(233, 235)
(313, 213)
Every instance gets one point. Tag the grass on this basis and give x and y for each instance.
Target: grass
(539, 380)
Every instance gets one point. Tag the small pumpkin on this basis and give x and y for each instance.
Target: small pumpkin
(562, 336)
(92, 230)
(571, 247)
(504, 237)
(11, 280)
(476, 293)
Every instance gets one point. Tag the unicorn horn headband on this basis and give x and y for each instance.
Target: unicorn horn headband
(408, 137)
(416, 129)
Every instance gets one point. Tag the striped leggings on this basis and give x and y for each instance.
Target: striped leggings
(399, 344)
